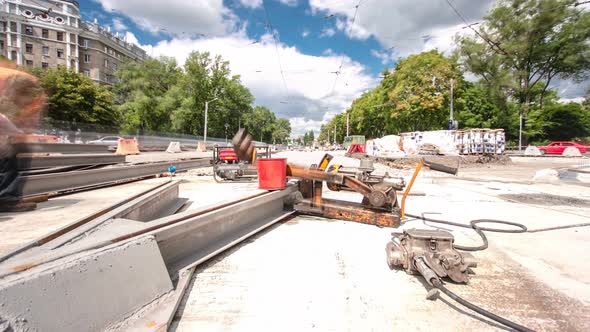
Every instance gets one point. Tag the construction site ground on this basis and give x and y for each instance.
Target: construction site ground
(310, 273)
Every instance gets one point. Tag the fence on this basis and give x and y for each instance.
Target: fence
(73, 132)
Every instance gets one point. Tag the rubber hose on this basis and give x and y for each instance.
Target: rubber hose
(473, 224)
(481, 311)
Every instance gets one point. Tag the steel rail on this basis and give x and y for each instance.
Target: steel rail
(26, 162)
(76, 224)
(60, 148)
(74, 180)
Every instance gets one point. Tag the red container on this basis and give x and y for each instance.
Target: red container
(272, 173)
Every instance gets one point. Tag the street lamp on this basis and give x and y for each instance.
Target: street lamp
(226, 126)
(206, 111)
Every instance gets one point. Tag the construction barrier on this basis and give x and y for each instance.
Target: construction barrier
(173, 147)
(201, 147)
(24, 138)
(127, 146)
(357, 148)
(571, 151)
(532, 151)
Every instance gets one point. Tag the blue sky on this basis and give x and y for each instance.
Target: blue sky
(314, 39)
(294, 23)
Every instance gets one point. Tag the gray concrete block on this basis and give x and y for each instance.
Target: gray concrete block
(86, 293)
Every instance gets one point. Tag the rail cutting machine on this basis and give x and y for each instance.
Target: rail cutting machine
(379, 206)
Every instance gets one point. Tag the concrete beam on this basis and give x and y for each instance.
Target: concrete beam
(88, 292)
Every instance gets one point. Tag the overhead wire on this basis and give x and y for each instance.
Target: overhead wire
(339, 71)
(276, 42)
(490, 42)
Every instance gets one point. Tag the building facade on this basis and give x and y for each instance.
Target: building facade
(49, 33)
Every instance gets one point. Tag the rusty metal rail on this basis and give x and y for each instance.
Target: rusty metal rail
(26, 162)
(75, 180)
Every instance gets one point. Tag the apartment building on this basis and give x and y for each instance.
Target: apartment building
(49, 33)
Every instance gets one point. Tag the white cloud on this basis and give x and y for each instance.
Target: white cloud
(578, 100)
(385, 56)
(327, 32)
(130, 38)
(305, 33)
(177, 17)
(570, 90)
(354, 31)
(308, 101)
(118, 24)
(400, 23)
(328, 51)
(290, 3)
(251, 3)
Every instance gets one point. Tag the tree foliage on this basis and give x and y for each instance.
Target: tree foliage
(415, 95)
(561, 122)
(157, 95)
(74, 98)
(147, 93)
(522, 44)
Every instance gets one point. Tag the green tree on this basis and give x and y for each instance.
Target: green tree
(205, 79)
(414, 96)
(261, 123)
(586, 102)
(308, 138)
(281, 131)
(561, 122)
(522, 44)
(419, 90)
(147, 93)
(73, 97)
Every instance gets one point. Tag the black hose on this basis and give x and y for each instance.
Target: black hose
(436, 283)
(473, 224)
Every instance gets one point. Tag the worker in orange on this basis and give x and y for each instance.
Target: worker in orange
(21, 101)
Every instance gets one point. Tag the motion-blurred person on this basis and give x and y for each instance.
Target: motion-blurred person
(21, 102)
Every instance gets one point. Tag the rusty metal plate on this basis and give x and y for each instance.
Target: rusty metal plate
(351, 211)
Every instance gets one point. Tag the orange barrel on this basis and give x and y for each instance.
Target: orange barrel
(272, 173)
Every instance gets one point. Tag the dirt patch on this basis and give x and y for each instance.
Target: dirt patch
(503, 287)
(450, 161)
(546, 199)
(476, 161)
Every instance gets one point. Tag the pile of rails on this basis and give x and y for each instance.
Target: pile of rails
(49, 168)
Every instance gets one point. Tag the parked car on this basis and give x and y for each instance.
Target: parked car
(558, 147)
(107, 140)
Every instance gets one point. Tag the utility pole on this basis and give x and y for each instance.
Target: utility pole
(347, 123)
(452, 83)
(334, 133)
(206, 111)
(520, 131)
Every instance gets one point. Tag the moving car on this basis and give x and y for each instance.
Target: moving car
(107, 140)
(558, 147)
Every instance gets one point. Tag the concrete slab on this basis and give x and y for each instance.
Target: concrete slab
(88, 292)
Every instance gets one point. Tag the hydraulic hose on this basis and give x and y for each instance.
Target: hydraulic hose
(436, 283)
(474, 224)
